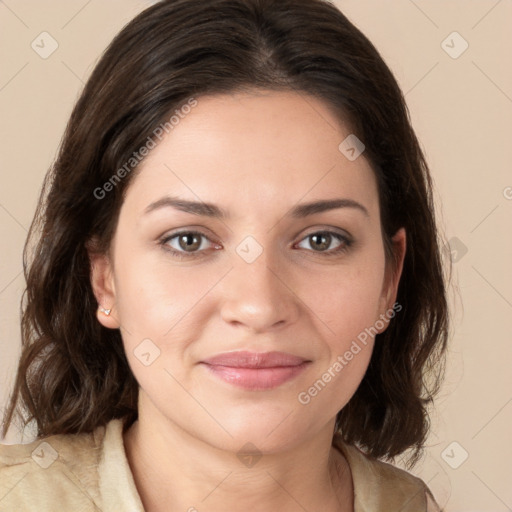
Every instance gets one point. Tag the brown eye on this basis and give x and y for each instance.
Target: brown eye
(322, 241)
(189, 242)
(186, 243)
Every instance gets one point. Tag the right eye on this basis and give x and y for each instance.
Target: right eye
(185, 244)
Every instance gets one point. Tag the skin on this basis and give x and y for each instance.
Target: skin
(255, 154)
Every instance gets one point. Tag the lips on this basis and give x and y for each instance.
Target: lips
(243, 359)
(254, 370)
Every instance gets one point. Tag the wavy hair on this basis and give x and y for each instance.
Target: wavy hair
(73, 375)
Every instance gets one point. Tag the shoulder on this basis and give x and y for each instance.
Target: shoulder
(56, 472)
(380, 486)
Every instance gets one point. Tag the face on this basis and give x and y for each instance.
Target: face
(255, 272)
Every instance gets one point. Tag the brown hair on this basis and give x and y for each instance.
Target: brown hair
(73, 374)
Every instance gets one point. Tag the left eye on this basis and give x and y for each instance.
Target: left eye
(322, 241)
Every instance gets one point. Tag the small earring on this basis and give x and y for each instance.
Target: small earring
(105, 311)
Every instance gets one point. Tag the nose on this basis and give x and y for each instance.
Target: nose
(259, 295)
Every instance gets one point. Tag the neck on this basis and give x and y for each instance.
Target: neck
(173, 470)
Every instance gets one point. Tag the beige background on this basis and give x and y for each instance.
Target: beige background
(461, 109)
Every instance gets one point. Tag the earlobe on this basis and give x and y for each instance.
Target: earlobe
(106, 318)
(102, 283)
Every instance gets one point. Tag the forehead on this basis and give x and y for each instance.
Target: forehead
(265, 150)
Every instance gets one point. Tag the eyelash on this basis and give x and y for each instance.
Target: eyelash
(181, 255)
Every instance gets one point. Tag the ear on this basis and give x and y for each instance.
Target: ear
(393, 272)
(102, 282)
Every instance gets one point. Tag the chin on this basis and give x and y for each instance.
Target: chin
(268, 432)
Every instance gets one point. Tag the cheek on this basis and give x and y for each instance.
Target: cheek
(355, 311)
(349, 307)
(347, 300)
(163, 310)
(154, 299)
(346, 305)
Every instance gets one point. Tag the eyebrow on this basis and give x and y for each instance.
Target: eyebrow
(214, 211)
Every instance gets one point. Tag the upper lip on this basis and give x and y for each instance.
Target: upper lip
(246, 359)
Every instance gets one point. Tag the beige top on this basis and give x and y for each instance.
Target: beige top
(90, 472)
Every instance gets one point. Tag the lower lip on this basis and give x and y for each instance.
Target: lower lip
(256, 379)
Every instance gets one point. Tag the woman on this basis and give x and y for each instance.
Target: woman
(236, 299)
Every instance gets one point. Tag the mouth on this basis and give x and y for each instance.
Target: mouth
(256, 371)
